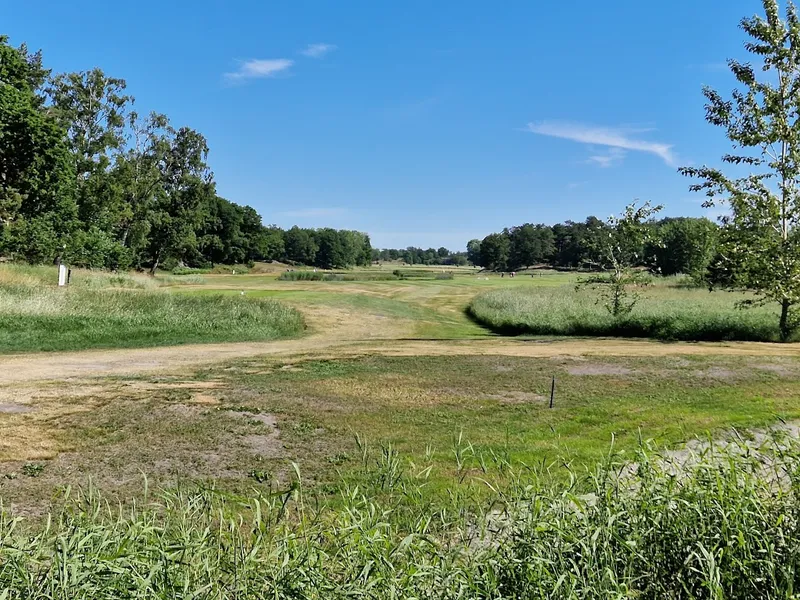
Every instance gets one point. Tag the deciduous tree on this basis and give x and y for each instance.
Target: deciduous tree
(760, 243)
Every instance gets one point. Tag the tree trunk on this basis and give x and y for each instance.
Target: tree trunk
(155, 264)
(785, 328)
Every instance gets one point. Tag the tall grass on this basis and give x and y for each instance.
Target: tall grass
(101, 310)
(667, 312)
(334, 276)
(724, 526)
(397, 274)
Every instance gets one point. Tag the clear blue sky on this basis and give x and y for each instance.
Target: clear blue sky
(422, 123)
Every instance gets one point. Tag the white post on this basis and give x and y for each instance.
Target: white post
(62, 275)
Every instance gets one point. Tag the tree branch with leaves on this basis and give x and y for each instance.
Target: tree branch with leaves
(759, 248)
(620, 250)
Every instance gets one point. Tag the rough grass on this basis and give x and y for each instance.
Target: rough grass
(725, 527)
(336, 276)
(666, 312)
(103, 310)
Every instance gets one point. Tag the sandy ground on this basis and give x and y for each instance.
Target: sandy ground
(342, 333)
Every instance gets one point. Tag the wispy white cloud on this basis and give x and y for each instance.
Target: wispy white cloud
(259, 68)
(613, 157)
(310, 213)
(618, 138)
(318, 50)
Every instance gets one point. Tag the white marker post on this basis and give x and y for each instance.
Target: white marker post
(62, 275)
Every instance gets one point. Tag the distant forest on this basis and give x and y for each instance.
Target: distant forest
(87, 180)
(674, 245)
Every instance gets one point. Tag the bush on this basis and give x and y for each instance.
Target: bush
(181, 270)
(301, 276)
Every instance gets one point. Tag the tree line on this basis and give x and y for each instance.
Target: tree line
(86, 179)
(418, 256)
(673, 245)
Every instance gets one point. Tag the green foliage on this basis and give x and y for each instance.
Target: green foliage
(37, 207)
(474, 252)
(87, 180)
(684, 246)
(530, 245)
(419, 256)
(671, 313)
(495, 251)
(32, 469)
(620, 249)
(189, 271)
(760, 239)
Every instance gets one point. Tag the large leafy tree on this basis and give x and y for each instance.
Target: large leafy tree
(684, 245)
(300, 245)
(474, 252)
(495, 251)
(759, 246)
(37, 209)
(91, 107)
(184, 186)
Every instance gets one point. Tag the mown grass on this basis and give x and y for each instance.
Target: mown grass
(720, 525)
(104, 310)
(666, 312)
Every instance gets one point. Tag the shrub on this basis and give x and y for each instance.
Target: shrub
(181, 270)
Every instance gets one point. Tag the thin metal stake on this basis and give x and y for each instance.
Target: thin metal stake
(553, 392)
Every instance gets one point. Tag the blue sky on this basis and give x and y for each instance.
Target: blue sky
(422, 123)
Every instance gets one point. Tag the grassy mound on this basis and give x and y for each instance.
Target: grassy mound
(725, 527)
(106, 310)
(666, 312)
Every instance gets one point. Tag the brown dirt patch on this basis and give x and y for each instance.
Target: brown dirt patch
(518, 397)
(263, 445)
(719, 373)
(204, 399)
(598, 369)
(15, 408)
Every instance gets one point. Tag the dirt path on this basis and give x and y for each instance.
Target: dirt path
(336, 333)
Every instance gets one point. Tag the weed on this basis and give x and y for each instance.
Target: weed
(32, 469)
(260, 475)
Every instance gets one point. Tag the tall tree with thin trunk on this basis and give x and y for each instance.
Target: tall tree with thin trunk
(759, 247)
